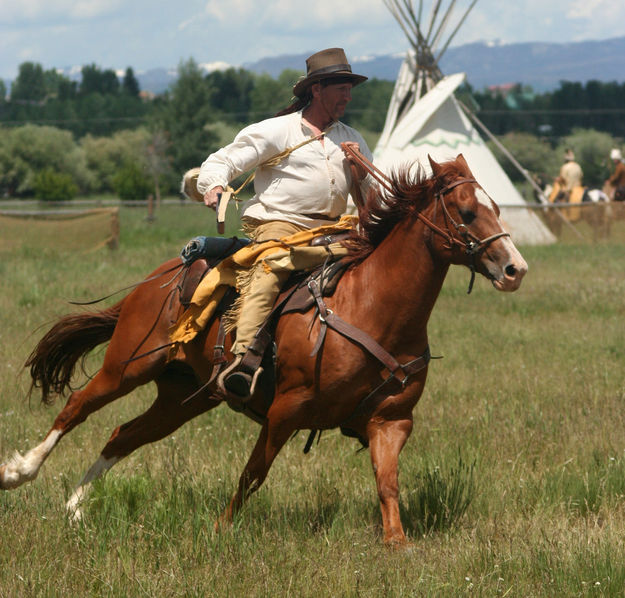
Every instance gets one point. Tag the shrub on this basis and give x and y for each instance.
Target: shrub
(130, 182)
(533, 153)
(440, 499)
(50, 185)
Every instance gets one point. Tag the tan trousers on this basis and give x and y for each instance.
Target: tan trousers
(264, 286)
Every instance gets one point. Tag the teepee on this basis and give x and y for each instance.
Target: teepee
(425, 118)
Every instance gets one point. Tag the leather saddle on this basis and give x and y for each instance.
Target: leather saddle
(201, 254)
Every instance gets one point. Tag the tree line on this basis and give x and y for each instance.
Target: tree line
(103, 135)
(593, 105)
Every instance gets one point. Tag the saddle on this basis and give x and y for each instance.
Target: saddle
(201, 254)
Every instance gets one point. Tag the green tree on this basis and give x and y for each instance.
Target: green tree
(67, 90)
(369, 104)
(535, 155)
(29, 149)
(157, 161)
(230, 93)
(30, 85)
(107, 155)
(95, 80)
(270, 95)
(54, 186)
(185, 113)
(131, 182)
(130, 85)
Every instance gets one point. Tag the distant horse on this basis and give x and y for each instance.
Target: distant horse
(411, 235)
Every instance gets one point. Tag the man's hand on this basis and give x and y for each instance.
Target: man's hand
(211, 198)
(360, 171)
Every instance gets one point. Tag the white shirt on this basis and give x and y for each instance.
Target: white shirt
(313, 180)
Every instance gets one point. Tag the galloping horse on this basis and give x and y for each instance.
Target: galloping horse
(409, 237)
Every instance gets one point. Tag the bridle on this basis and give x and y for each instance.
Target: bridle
(455, 234)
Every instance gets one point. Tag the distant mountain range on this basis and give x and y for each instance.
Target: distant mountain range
(539, 64)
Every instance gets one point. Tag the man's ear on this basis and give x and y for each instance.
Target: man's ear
(315, 89)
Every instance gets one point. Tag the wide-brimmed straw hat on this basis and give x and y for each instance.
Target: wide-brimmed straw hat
(327, 64)
(615, 154)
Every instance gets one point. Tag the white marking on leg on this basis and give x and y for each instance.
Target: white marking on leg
(21, 469)
(97, 470)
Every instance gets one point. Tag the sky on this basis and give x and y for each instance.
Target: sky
(145, 34)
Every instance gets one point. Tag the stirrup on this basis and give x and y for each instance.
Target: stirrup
(238, 382)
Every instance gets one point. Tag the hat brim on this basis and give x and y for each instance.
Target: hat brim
(301, 86)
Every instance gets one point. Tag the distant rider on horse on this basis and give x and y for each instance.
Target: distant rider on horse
(570, 173)
(616, 182)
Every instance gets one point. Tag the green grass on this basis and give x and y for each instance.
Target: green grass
(513, 482)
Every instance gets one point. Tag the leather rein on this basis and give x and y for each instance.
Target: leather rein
(465, 239)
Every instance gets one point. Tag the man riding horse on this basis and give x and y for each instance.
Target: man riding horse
(308, 187)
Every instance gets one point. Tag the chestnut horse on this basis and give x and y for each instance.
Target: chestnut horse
(410, 236)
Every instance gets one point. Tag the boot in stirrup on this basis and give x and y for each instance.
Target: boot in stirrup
(239, 380)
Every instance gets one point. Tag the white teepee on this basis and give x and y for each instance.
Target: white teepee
(424, 118)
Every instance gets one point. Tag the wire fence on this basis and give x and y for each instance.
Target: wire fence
(61, 228)
(590, 222)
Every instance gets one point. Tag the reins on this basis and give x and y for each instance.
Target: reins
(178, 268)
(472, 245)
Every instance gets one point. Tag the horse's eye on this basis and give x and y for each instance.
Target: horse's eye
(467, 216)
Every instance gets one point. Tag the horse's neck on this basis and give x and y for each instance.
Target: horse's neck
(402, 279)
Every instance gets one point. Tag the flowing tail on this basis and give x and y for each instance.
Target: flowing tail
(53, 360)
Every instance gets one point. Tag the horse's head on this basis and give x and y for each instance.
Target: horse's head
(465, 222)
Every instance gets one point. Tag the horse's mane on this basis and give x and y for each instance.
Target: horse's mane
(410, 191)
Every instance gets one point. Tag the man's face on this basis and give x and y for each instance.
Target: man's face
(334, 98)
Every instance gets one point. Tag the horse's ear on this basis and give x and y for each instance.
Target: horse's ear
(436, 169)
(460, 158)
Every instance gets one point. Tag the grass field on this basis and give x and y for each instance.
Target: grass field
(513, 482)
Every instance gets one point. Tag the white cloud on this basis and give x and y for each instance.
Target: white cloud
(20, 12)
(583, 9)
(296, 14)
(606, 10)
(235, 10)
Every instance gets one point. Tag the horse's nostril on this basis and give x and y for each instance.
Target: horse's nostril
(510, 270)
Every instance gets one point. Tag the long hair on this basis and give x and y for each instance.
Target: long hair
(297, 105)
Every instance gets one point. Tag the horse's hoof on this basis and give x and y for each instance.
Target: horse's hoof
(75, 516)
(404, 546)
(223, 523)
(397, 542)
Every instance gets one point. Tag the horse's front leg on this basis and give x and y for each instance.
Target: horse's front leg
(272, 438)
(386, 439)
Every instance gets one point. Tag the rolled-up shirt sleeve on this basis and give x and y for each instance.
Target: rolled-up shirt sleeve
(252, 146)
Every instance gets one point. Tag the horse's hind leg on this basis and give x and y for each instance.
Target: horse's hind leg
(166, 414)
(106, 386)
